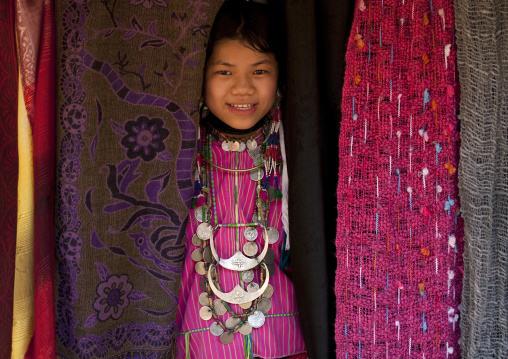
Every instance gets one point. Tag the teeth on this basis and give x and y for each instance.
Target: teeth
(242, 107)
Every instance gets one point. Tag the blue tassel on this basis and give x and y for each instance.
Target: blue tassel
(197, 188)
(276, 139)
(265, 183)
(285, 255)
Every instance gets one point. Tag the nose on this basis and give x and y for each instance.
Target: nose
(243, 85)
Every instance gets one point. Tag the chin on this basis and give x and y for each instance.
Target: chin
(241, 125)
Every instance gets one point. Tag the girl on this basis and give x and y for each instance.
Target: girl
(235, 301)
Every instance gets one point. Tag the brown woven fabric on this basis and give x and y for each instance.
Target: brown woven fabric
(129, 76)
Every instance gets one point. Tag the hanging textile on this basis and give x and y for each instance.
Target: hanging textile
(482, 46)
(399, 233)
(36, 51)
(129, 76)
(23, 304)
(8, 170)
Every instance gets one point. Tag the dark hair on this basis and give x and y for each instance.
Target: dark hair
(258, 26)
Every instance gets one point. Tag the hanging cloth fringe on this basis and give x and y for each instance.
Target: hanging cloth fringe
(247, 348)
(284, 187)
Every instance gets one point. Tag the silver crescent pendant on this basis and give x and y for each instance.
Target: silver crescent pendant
(238, 295)
(238, 261)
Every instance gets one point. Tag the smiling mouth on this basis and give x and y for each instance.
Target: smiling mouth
(242, 107)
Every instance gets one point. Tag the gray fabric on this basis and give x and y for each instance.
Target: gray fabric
(482, 56)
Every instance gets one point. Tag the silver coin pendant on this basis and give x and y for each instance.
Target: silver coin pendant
(250, 233)
(216, 329)
(264, 305)
(198, 213)
(252, 287)
(234, 146)
(203, 299)
(273, 235)
(227, 338)
(204, 231)
(232, 322)
(205, 313)
(219, 307)
(252, 144)
(247, 276)
(250, 249)
(196, 240)
(245, 329)
(257, 319)
(256, 175)
(268, 291)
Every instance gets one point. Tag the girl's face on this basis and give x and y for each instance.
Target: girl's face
(240, 84)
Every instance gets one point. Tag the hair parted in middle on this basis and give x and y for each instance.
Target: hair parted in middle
(258, 26)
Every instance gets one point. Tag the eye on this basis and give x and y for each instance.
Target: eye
(260, 72)
(224, 72)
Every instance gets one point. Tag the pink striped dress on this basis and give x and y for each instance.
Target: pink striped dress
(280, 336)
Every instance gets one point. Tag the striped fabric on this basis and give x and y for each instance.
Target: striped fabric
(280, 336)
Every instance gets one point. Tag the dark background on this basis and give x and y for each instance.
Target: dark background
(317, 39)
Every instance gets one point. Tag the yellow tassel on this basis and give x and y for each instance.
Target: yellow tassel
(187, 340)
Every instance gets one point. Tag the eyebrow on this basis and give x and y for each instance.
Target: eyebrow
(227, 64)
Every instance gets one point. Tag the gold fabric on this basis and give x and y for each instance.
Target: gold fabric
(23, 309)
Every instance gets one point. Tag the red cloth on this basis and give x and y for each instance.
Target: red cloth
(44, 169)
(8, 170)
(36, 31)
(399, 233)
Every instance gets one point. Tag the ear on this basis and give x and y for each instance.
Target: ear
(202, 108)
(280, 92)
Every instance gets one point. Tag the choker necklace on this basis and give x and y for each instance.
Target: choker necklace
(237, 140)
(222, 127)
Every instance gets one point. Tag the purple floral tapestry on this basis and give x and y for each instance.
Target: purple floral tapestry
(129, 81)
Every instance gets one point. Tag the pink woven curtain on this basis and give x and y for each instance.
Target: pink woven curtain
(399, 233)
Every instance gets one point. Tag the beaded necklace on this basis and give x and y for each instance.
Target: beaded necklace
(255, 301)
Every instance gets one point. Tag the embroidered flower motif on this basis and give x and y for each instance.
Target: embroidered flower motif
(147, 4)
(144, 137)
(113, 297)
